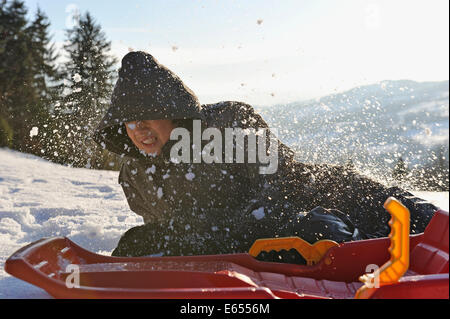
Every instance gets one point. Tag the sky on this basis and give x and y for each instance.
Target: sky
(268, 52)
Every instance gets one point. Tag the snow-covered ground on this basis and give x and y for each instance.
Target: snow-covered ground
(41, 199)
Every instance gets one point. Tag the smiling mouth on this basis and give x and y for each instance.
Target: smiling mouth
(149, 141)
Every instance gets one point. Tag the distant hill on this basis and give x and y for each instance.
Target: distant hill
(370, 126)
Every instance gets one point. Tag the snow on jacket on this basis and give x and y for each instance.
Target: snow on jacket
(201, 208)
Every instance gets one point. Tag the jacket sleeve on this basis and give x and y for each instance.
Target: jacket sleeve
(134, 198)
(361, 199)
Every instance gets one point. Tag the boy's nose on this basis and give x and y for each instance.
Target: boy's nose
(142, 132)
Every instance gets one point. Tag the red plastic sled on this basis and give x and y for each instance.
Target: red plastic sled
(54, 264)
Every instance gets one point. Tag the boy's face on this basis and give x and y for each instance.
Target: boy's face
(150, 135)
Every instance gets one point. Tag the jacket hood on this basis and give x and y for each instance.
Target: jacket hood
(145, 90)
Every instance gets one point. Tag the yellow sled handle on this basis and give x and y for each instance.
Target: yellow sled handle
(312, 253)
(398, 264)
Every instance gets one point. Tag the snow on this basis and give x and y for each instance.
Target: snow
(259, 213)
(76, 78)
(41, 199)
(151, 169)
(34, 131)
(159, 193)
(66, 91)
(439, 199)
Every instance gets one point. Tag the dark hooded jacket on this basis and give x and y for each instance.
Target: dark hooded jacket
(201, 208)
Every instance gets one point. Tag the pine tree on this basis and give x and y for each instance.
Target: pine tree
(87, 89)
(45, 82)
(45, 69)
(6, 133)
(400, 170)
(17, 95)
(437, 170)
(349, 165)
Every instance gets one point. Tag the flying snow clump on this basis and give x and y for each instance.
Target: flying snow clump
(34, 131)
(76, 78)
(259, 213)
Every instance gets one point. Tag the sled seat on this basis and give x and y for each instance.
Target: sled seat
(430, 255)
(284, 286)
(183, 277)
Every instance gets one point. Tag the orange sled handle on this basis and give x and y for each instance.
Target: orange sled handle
(398, 264)
(312, 253)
